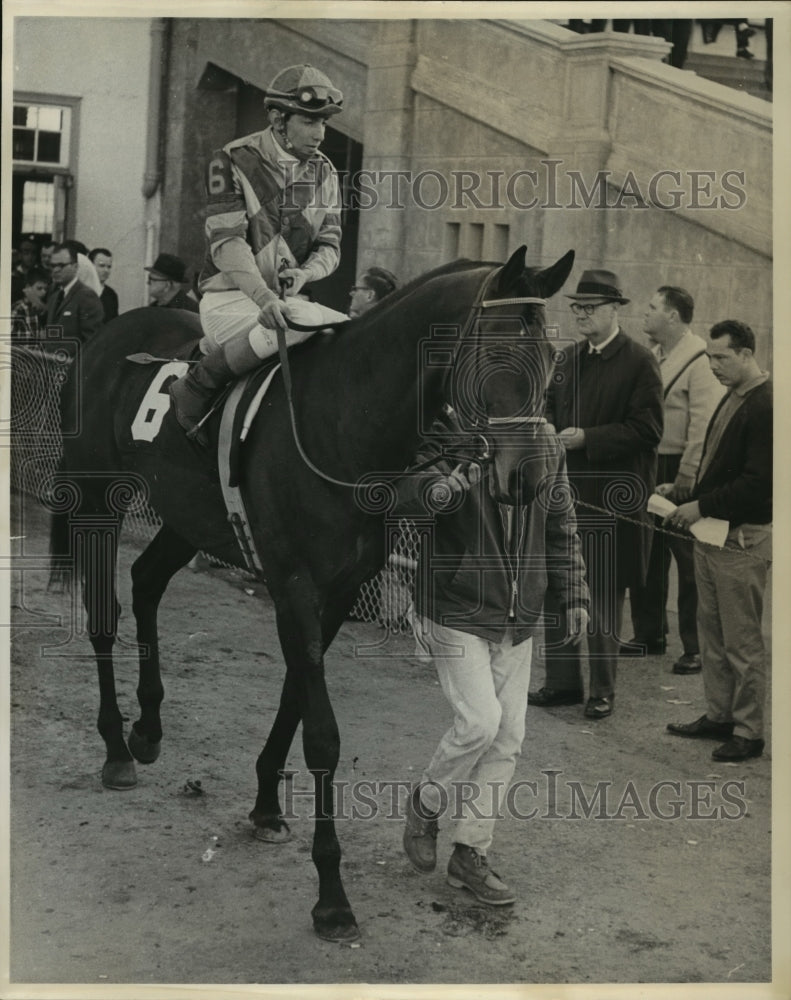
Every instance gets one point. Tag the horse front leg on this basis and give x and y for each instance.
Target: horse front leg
(151, 572)
(266, 815)
(333, 918)
(299, 627)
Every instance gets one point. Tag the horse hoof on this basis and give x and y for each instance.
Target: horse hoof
(343, 931)
(272, 835)
(119, 775)
(142, 748)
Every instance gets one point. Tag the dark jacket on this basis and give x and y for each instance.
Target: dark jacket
(180, 301)
(80, 314)
(469, 576)
(617, 400)
(737, 484)
(109, 300)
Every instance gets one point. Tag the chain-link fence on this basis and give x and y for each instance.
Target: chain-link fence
(37, 376)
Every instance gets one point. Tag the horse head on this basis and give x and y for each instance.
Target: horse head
(502, 371)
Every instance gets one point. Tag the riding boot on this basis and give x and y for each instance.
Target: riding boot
(241, 357)
(192, 394)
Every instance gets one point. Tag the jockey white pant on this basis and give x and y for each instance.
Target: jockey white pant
(486, 685)
(228, 315)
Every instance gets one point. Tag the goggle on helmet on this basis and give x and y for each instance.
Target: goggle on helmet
(305, 90)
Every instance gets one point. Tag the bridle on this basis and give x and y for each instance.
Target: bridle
(480, 304)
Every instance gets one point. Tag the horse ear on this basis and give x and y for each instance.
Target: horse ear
(512, 271)
(552, 278)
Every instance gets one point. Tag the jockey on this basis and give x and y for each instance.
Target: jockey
(273, 224)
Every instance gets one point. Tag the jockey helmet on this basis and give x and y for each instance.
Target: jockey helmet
(305, 90)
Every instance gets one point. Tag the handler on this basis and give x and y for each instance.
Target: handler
(273, 225)
(735, 484)
(477, 613)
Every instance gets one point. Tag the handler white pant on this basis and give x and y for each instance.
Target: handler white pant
(486, 684)
(227, 315)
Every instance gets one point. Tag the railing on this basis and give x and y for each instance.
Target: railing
(37, 376)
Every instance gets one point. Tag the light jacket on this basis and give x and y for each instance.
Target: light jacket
(690, 400)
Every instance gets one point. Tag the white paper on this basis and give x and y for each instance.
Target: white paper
(712, 530)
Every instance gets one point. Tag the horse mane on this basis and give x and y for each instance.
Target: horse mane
(394, 299)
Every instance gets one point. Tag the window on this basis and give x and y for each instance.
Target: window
(44, 144)
(41, 134)
(38, 206)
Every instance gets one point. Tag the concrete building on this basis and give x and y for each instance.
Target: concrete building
(458, 138)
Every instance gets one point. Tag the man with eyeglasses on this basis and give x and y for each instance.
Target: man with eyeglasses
(166, 278)
(273, 226)
(372, 286)
(72, 306)
(606, 404)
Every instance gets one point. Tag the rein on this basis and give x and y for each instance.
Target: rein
(476, 309)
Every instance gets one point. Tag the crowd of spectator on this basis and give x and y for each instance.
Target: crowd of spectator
(62, 290)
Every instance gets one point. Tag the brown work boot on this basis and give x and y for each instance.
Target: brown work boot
(468, 869)
(420, 834)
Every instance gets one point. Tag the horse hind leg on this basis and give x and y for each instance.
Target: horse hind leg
(96, 549)
(267, 815)
(151, 572)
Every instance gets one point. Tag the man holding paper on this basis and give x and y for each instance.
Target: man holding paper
(734, 483)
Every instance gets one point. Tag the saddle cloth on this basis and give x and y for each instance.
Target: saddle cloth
(239, 410)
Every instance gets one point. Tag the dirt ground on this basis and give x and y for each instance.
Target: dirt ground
(165, 884)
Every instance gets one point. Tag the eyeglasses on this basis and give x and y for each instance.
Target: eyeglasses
(361, 288)
(578, 308)
(57, 267)
(152, 280)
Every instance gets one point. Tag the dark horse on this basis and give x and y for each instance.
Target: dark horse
(473, 333)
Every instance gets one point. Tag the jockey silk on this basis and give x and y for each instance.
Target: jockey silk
(279, 212)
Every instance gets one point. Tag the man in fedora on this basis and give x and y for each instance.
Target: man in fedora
(606, 404)
(165, 283)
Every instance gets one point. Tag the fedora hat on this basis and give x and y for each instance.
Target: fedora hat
(168, 265)
(596, 284)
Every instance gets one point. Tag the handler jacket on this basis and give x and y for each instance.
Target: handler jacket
(267, 211)
(472, 577)
(736, 485)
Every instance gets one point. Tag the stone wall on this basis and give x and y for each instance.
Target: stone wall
(482, 135)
